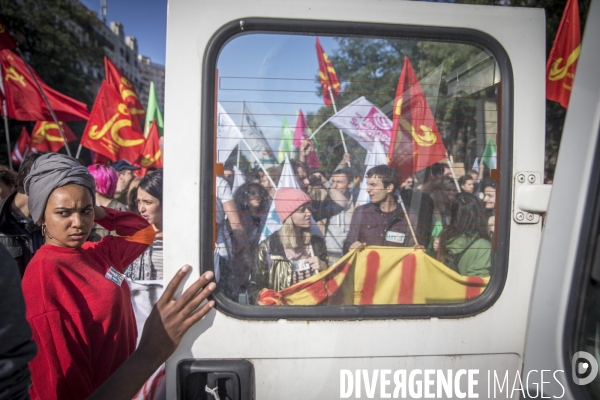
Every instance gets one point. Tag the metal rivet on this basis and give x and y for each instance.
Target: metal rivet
(521, 178)
(242, 25)
(531, 178)
(529, 217)
(520, 216)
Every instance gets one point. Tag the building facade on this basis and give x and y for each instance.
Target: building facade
(151, 72)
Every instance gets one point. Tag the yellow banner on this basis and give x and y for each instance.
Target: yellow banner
(381, 275)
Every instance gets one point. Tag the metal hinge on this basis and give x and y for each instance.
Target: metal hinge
(531, 197)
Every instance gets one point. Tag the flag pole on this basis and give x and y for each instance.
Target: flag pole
(62, 134)
(319, 128)
(335, 110)
(78, 151)
(4, 111)
(259, 163)
(241, 127)
(450, 162)
(5, 114)
(412, 231)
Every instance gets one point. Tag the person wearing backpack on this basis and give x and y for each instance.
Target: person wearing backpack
(465, 246)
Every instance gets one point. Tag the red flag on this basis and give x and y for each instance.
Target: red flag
(21, 147)
(151, 155)
(560, 70)
(24, 101)
(109, 130)
(6, 40)
(416, 142)
(115, 77)
(327, 76)
(46, 136)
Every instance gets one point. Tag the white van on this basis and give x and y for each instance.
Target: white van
(481, 69)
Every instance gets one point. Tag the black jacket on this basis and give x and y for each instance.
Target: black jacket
(21, 237)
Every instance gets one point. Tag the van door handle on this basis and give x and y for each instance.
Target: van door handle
(223, 385)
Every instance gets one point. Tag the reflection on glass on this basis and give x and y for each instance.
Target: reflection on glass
(357, 170)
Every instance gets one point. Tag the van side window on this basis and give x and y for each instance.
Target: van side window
(356, 171)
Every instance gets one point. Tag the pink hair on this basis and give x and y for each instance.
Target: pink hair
(106, 179)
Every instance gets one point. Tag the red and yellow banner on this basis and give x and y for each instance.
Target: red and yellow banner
(109, 130)
(46, 136)
(117, 79)
(151, 155)
(327, 76)
(562, 62)
(23, 99)
(21, 147)
(416, 142)
(381, 275)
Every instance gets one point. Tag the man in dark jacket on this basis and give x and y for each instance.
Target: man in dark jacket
(16, 346)
(21, 236)
(380, 222)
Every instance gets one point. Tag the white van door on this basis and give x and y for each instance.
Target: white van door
(303, 311)
(563, 338)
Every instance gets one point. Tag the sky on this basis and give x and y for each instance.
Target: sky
(144, 19)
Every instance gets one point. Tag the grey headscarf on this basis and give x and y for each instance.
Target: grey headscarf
(52, 171)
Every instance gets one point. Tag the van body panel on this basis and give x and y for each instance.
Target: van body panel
(561, 259)
(494, 337)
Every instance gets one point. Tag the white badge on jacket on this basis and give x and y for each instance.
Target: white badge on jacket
(114, 276)
(394, 237)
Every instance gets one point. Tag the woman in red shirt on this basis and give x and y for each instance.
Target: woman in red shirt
(78, 303)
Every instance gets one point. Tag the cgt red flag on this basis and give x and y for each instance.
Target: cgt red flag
(21, 147)
(6, 40)
(416, 142)
(151, 155)
(562, 63)
(46, 136)
(109, 130)
(327, 76)
(117, 79)
(23, 99)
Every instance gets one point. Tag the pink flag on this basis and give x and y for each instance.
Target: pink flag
(300, 132)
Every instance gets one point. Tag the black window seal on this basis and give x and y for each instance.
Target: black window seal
(313, 27)
(590, 229)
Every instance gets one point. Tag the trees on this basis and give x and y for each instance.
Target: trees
(372, 67)
(58, 39)
(555, 114)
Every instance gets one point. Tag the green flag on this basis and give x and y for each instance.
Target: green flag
(285, 141)
(153, 112)
(490, 155)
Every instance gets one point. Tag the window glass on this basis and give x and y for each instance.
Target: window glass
(357, 171)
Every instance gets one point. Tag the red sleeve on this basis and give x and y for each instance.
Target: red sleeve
(135, 234)
(62, 368)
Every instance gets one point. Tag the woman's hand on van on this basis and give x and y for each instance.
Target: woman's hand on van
(171, 318)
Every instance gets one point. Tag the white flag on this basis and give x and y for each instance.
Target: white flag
(365, 123)
(228, 135)
(375, 156)
(238, 178)
(256, 139)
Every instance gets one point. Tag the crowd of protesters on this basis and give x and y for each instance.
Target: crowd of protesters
(320, 220)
